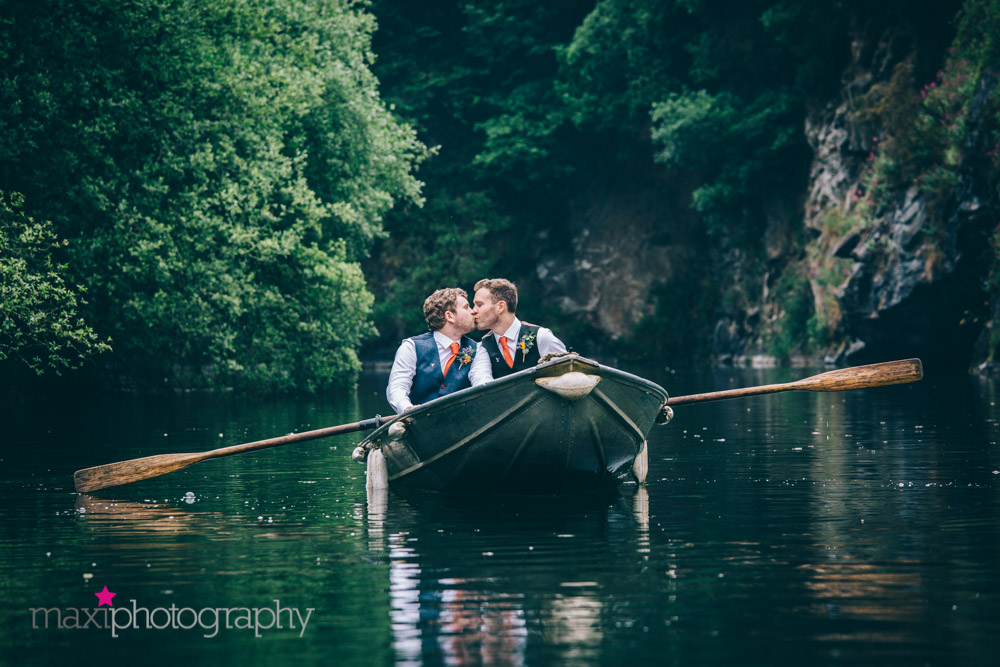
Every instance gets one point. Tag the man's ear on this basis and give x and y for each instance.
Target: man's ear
(501, 307)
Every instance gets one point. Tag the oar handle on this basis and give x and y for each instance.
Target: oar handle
(842, 379)
(134, 470)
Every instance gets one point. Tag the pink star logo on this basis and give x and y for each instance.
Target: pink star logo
(105, 597)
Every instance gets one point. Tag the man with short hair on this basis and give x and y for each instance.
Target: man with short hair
(509, 344)
(435, 363)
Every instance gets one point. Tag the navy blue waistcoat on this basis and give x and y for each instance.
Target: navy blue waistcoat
(429, 382)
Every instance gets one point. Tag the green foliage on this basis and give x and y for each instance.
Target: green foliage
(520, 114)
(723, 84)
(835, 224)
(925, 132)
(979, 41)
(748, 138)
(476, 80)
(434, 252)
(624, 55)
(530, 103)
(40, 325)
(829, 272)
(796, 323)
(979, 31)
(992, 282)
(925, 128)
(218, 169)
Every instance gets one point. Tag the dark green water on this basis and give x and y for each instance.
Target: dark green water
(855, 528)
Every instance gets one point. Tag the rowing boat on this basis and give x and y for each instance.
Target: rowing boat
(567, 425)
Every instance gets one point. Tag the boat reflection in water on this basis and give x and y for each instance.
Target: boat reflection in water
(458, 620)
(477, 595)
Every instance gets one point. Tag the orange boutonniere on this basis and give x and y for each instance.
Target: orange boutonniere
(466, 355)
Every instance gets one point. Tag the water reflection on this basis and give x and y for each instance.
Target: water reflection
(474, 586)
(452, 619)
(865, 591)
(458, 620)
(573, 622)
(832, 528)
(128, 518)
(377, 506)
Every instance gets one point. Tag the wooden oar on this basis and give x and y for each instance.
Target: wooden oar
(134, 470)
(842, 379)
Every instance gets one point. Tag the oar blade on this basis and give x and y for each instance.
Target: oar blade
(126, 472)
(135, 470)
(862, 377)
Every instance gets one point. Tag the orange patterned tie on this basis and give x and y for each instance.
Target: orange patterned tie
(506, 352)
(454, 353)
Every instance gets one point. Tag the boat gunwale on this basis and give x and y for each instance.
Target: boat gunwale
(539, 370)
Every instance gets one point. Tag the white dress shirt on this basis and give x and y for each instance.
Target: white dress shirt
(481, 371)
(404, 369)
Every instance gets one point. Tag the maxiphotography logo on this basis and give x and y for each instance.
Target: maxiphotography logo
(207, 620)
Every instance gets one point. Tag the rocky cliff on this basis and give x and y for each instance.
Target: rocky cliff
(914, 264)
(847, 270)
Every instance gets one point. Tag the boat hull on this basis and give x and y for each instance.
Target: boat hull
(569, 425)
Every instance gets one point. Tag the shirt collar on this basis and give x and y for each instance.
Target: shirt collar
(512, 330)
(443, 341)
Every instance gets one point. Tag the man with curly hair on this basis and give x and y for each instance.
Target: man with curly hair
(437, 362)
(509, 345)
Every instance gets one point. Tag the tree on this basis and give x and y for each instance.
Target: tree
(218, 171)
(475, 78)
(40, 324)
